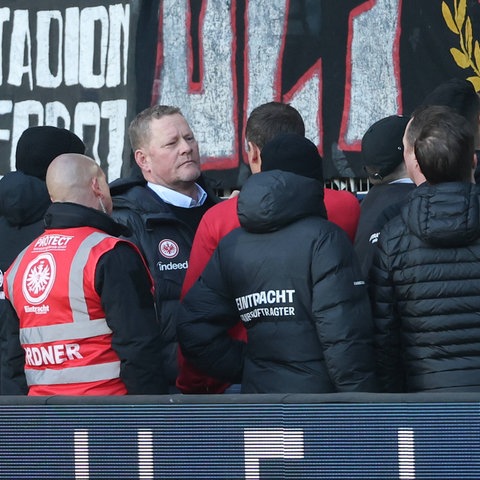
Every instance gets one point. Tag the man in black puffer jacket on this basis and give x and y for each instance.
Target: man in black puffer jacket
(292, 277)
(24, 199)
(426, 272)
(162, 206)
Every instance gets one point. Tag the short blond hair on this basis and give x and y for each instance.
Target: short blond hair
(139, 129)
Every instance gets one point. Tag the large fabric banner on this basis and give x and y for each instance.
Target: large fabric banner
(67, 64)
(90, 66)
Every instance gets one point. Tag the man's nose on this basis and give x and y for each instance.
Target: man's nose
(185, 145)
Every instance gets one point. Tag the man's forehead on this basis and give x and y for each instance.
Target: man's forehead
(170, 123)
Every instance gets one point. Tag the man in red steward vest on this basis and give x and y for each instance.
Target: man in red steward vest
(83, 296)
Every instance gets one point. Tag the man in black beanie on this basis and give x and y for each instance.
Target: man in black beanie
(24, 200)
(292, 153)
(292, 278)
(38, 146)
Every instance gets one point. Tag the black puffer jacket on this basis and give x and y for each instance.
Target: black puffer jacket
(426, 292)
(152, 222)
(375, 209)
(23, 202)
(292, 277)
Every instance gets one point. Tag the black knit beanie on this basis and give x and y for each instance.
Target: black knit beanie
(292, 153)
(38, 146)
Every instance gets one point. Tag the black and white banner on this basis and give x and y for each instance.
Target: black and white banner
(67, 64)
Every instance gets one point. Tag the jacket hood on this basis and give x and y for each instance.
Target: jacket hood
(23, 199)
(270, 200)
(444, 215)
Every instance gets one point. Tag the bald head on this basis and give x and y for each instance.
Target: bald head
(78, 179)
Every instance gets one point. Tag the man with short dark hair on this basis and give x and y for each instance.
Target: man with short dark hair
(293, 279)
(426, 269)
(264, 123)
(459, 94)
(270, 119)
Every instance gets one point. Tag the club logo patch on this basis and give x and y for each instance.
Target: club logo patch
(168, 248)
(39, 278)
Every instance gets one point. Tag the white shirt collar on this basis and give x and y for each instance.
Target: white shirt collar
(179, 199)
(402, 180)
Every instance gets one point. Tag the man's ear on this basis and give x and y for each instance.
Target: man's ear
(254, 157)
(141, 159)
(96, 187)
(418, 176)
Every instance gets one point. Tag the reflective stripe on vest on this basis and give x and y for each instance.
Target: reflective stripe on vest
(53, 333)
(86, 374)
(82, 326)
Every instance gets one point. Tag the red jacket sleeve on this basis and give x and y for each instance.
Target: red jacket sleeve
(217, 222)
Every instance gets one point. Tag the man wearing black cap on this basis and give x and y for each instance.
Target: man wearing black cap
(293, 279)
(382, 156)
(24, 200)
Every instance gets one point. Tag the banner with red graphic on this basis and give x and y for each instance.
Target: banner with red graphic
(90, 66)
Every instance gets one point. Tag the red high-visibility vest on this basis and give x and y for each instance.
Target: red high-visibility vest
(63, 329)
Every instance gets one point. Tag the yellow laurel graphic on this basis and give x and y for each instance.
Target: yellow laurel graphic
(468, 53)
